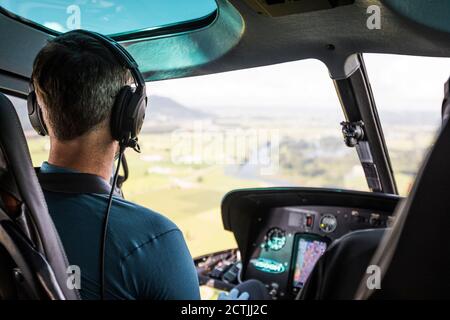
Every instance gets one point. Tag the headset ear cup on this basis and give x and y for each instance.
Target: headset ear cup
(35, 115)
(140, 114)
(118, 113)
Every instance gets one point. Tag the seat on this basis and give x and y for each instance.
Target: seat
(413, 256)
(33, 264)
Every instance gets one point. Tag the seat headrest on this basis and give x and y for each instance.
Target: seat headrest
(17, 168)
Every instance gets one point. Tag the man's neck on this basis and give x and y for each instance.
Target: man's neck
(83, 155)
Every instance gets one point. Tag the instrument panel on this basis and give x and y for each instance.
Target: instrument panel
(292, 240)
(282, 232)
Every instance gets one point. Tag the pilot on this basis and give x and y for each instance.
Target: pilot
(76, 79)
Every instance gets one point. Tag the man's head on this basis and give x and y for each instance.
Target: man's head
(76, 79)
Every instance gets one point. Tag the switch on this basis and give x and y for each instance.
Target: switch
(390, 222)
(309, 221)
(375, 219)
(274, 290)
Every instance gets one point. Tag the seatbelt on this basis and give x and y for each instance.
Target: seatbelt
(74, 183)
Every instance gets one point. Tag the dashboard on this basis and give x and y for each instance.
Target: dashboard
(292, 239)
(282, 233)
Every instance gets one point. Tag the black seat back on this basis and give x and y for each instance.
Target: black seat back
(33, 264)
(414, 256)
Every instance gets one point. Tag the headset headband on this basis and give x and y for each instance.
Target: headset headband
(122, 55)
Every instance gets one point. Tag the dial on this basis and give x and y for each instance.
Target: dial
(328, 223)
(276, 239)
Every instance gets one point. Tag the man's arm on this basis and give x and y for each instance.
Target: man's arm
(162, 269)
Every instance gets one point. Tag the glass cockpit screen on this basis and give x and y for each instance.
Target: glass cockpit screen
(309, 250)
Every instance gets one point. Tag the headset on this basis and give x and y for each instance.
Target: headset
(128, 112)
(127, 118)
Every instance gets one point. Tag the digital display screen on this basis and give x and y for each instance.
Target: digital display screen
(308, 253)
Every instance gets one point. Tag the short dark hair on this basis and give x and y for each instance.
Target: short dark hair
(78, 79)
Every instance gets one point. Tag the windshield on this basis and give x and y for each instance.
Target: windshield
(204, 136)
(109, 17)
(408, 92)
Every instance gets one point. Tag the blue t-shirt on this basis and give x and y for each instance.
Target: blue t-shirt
(146, 255)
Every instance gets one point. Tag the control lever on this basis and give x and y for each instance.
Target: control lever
(273, 292)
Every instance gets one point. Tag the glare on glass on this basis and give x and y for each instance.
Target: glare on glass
(110, 17)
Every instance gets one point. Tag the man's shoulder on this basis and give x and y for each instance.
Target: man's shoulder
(125, 215)
(139, 218)
(152, 255)
(138, 224)
(130, 225)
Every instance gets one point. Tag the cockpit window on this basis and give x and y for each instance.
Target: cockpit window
(111, 17)
(408, 92)
(273, 126)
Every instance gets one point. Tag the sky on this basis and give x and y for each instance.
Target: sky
(398, 82)
(109, 16)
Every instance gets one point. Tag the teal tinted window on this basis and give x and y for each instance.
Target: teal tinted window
(110, 17)
(431, 13)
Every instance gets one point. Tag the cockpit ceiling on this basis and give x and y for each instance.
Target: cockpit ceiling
(328, 35)
(241, 36)
(244, 36)
(278, 8)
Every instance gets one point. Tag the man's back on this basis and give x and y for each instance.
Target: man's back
(146, 255)
(89, 97)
